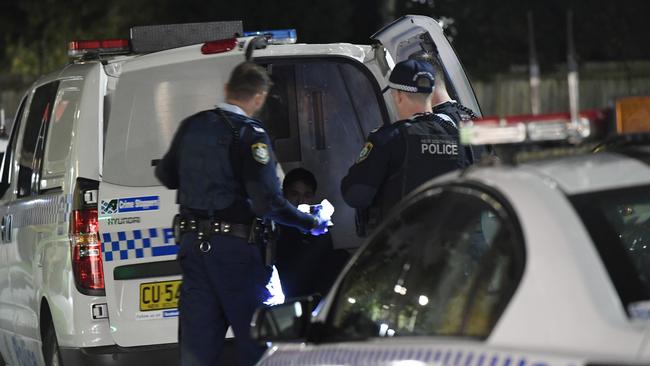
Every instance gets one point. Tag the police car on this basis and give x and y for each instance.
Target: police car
(539, 259)
(87, 261)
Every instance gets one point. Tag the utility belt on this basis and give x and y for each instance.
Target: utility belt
(258, 233)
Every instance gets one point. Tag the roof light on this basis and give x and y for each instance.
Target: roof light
(99, 47)
(280, 36)
(633, 115)
(220, 46)
(528, 129)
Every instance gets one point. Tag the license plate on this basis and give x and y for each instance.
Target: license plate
(159, 295)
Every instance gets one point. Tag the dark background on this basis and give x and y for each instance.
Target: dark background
(490, 36)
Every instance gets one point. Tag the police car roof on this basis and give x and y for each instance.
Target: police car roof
(572, 174)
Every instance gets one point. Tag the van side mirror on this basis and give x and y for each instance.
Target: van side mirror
(285, 322)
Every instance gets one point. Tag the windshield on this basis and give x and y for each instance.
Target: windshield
(618, 222)
(446, 265)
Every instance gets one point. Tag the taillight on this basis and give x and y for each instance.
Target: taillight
(86, 250)
(219, 46)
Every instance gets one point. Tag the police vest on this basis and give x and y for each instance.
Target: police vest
(431, 148)
(207, 178)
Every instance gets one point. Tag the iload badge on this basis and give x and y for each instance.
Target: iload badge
(364, 152)
(260, 152)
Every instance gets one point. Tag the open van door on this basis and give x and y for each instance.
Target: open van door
(412, 34)
(154, 94)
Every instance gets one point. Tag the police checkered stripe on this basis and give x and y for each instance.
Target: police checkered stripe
(133, 244)
(378, 356)
(406, 88)
(44, 210)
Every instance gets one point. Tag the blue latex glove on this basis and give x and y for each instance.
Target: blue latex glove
(323, 212)
(321, 228)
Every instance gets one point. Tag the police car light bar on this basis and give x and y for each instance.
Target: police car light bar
(528, 129)
(99, 47)
(280, 36)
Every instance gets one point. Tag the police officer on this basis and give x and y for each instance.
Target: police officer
(221, 163)
(397, 158)
(451, 110)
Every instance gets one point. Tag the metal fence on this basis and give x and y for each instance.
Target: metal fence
(600, 84)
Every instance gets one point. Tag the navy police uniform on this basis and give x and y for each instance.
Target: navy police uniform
(399, 157)
(221, 164)
(395, 160)
(452, 111)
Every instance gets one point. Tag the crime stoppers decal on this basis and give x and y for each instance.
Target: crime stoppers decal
(132, 204)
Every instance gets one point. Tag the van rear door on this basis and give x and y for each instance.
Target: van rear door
(154, 93)
(416, 33)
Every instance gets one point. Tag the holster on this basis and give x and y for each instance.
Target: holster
(367, 220)
(264, 235)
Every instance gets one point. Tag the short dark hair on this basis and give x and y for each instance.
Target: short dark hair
(246, 80)
(300, 175)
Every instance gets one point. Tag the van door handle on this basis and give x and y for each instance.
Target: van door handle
(7, 228)
(318, 108)
(2, 229)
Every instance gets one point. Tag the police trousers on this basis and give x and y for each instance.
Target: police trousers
(221, 287)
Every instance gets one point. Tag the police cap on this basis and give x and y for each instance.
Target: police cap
(413, 76)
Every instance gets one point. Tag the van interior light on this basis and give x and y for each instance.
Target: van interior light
(633, 115)
(100, 47)
(280, 36)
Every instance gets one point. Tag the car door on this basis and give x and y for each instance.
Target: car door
(7, 185)
(412, 34)
(154, 94)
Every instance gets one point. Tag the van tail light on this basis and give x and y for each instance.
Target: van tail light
(87, 264)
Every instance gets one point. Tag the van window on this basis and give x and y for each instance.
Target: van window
(446, 265)
(8, 157)
(31, 152)
(58, 142)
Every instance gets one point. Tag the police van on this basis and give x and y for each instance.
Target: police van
(89, 261)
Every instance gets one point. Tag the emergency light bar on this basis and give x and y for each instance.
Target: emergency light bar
(102, 47)
(280, 36)
(528, 129)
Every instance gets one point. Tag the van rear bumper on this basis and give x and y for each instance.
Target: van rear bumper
(166, 354)
(115, 355)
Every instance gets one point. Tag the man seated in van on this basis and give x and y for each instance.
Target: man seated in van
(307, 265)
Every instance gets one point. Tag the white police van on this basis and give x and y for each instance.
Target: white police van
(87, 248)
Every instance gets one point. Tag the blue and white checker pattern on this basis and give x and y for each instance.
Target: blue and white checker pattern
(132, 244)
(412, 355)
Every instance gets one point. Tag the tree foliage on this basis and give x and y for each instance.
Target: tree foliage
(489, 36)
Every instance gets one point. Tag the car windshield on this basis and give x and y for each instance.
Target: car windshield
(618, 222)
(446, 265)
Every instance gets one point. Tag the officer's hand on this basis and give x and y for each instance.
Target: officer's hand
(320, 227)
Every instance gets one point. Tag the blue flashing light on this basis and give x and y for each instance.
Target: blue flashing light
(280, 36)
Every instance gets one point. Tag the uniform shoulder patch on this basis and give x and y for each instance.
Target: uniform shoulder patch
(367, 147)
(260, 152)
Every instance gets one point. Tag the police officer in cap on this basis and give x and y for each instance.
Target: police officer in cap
(221, 163)
(397, 158)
